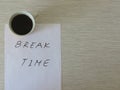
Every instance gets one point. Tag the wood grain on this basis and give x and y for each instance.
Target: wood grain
(90, 39)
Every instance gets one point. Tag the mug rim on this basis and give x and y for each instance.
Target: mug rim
(24, 13)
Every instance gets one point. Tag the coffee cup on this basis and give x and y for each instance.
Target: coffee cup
(22, 23)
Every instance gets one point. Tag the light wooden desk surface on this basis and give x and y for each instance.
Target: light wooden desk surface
(90, 39)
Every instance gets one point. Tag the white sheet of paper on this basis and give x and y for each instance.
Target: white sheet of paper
(33, 62)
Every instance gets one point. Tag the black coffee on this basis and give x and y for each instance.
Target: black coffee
(21, 24)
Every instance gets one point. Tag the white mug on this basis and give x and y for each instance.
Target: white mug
(22, 23)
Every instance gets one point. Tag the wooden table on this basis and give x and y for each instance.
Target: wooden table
(90, 39)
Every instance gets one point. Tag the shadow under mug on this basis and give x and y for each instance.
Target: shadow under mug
(22, 23)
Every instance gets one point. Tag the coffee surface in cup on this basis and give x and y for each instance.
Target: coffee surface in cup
(21, 24)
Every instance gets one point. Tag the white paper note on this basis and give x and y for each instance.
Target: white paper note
(33, 62)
